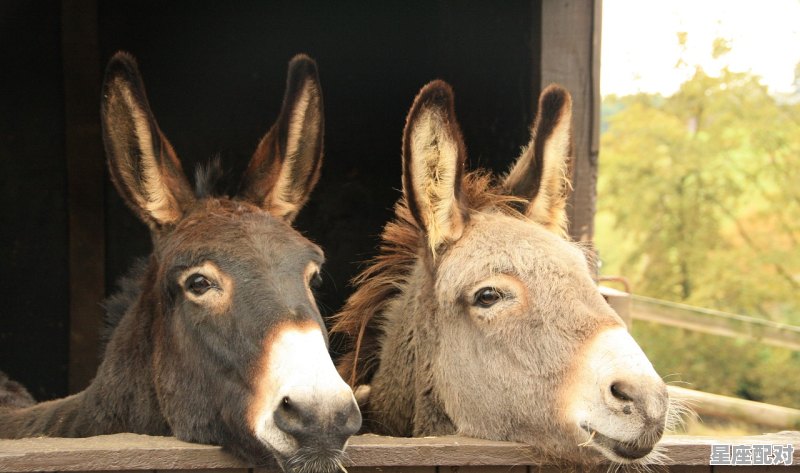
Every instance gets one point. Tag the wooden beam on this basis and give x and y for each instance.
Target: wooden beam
(759, 413)
(85, 186)
(570, 56)
(370, 452)
(715, 322)
(620, 301)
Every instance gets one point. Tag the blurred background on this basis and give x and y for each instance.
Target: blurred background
(699, 189)
(687, 143)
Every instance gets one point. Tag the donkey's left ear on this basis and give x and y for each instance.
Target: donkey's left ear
(433, 164)
(141, 162)
(541, 174)
(286, 164)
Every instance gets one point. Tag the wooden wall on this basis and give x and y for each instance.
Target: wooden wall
(214, 72)
(34, 277)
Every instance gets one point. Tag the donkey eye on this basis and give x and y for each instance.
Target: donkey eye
(198, 284)
(487, 297)
(316, 281)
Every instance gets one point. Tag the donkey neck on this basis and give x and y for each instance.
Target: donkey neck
(403, 399)
(121, 398)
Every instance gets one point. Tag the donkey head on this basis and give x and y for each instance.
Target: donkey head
(239, 349)
(514, 340)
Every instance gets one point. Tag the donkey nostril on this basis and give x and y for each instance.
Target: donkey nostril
(618, 390)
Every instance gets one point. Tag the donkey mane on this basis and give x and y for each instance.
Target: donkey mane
(387, 273)
(208, 177)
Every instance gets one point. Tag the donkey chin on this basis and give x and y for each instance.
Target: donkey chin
(312, 454)
(617, 404)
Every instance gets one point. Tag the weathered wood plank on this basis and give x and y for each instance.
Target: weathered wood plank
(751, 469)
(484, 469)
(392, 469)
(366, 454)
(694, 450)
(570, 56)
(375, 450)
(122, 471)
(270, 469)
(223, 470)
(111, 452)
(690, 469)
(85, 187)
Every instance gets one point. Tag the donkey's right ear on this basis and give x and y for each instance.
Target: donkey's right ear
(286, 165)
(541, 174)
(433, 164)
(142, 163)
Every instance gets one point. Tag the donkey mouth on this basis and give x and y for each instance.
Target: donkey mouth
(626, 450)
(314, 460)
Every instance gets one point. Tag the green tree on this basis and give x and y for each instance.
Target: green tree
(699, 199)
(699, 202)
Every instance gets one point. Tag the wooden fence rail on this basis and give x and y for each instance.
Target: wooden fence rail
(366, 454)
(714, 322)
(751, 412)
(631, 307)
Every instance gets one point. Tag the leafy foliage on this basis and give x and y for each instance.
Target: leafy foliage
(699, 196)
(699, 202)
(722, 365)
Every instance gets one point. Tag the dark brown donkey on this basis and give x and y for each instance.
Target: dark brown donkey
(480, 318)
(222, 342)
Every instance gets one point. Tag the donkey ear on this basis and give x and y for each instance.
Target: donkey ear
(541, 174)
(286, 164)
(142, 163)
(433, 164)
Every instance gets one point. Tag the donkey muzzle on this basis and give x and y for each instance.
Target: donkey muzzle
(326, 424)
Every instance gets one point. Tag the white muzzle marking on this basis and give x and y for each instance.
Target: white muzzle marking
(613, 357)
(297, 365)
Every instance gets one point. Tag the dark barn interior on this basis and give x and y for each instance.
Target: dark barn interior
(215, 75)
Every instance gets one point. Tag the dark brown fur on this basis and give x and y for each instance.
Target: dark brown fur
(13, 394)
(178, 362)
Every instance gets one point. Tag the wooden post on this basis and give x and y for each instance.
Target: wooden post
(619, 301)
(570, 56)
(85, 186)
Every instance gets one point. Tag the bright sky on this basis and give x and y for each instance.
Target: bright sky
(640, 46)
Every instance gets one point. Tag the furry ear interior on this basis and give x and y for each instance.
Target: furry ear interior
(433, 164)
(286, 165)
(142, 164)
(541, 175)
